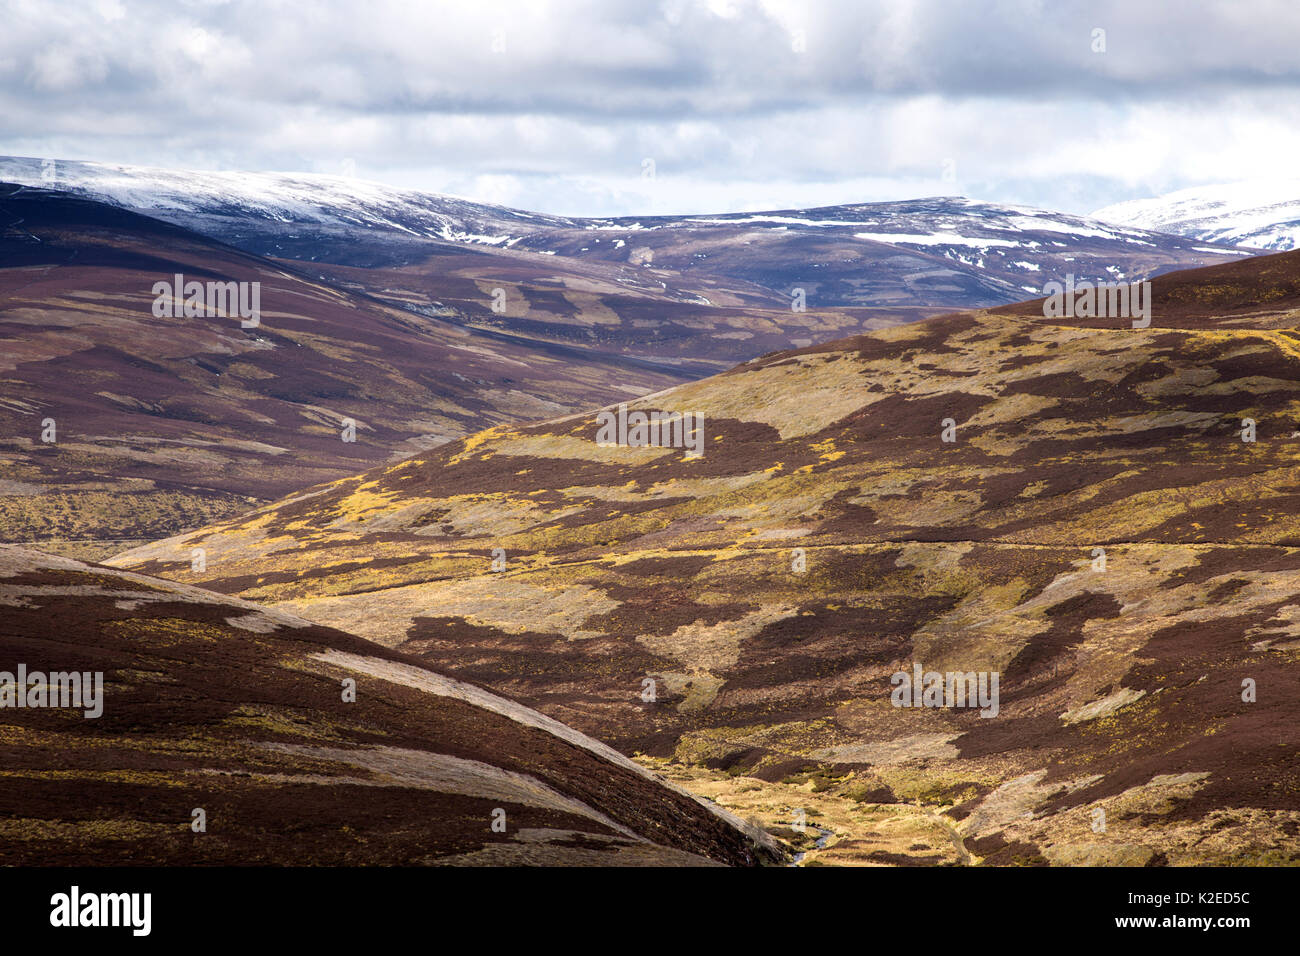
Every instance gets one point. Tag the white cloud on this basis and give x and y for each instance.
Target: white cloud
(881, 97)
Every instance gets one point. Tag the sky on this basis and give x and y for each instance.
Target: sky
(671, 106)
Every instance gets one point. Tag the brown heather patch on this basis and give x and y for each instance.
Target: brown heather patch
(194, 707)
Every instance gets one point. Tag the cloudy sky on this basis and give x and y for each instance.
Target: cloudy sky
(567, 107)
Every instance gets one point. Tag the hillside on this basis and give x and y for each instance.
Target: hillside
(647, 314)
(215, 704)
(829, 538)
(162, 423)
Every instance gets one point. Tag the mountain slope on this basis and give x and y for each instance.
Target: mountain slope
(1258, 215)
(699, 328)
(1098, 534)
(214, 704)
(938, 253)
(161, 423)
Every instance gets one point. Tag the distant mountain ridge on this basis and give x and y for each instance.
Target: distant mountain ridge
(1259, 214)
(939, 253)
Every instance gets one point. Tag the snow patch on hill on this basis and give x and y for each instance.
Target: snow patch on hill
(1258, 214)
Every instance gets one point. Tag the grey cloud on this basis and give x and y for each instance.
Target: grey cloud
(564, 99)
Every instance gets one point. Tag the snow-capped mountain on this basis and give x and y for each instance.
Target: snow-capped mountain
(1259, 214)
(936, 253)
(948, 249)
(255, 209)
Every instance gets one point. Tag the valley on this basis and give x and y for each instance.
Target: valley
(1098, 532)
(164, 422)
(419, 458)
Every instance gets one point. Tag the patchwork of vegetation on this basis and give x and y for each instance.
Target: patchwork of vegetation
(1098, 533)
